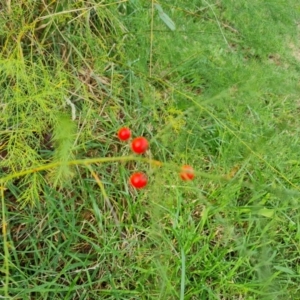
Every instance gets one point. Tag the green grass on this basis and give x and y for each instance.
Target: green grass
(220, 92)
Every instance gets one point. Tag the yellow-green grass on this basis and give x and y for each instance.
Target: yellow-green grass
(219, 91)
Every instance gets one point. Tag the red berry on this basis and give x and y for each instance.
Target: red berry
(124, 134)
(139, 145)
(187, 173)
(138, 180)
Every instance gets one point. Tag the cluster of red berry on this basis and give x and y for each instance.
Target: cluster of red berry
(139, 145)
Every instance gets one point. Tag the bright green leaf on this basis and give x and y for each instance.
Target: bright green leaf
(266, 212)
(165, 18)
(284, 270)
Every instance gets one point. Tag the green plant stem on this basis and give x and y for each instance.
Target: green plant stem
(182, 283)
(5, 245)
(77, 162)
(96, 160)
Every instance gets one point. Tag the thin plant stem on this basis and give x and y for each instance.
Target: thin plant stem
(151, 38)
(182, 283)
(5, 245)
(219, 25)
(90, 161)
(78, 162)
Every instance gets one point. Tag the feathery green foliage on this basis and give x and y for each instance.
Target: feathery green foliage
(63, 141)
